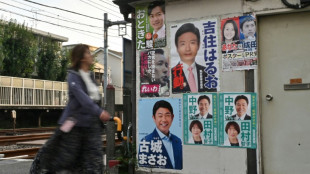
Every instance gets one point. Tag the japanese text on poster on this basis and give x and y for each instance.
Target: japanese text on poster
(200, 118)
(159, 132)
(239, 46)
(237, 120)
(150, 25)
(194, 57)
(154, 73)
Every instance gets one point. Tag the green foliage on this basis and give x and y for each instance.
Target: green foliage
(21, 52)
(64, 64)
(18, 50)
(127, 158)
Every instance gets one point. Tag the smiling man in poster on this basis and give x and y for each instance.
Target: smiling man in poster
(161, 148)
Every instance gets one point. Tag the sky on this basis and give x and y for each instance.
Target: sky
(77, 28)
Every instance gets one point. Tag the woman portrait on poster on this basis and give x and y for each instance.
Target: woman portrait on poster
(196, 129)
(232, 130)
(230, 36)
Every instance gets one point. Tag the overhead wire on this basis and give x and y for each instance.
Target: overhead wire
(97, 7)
(52, 16)
(42, 10)
(118, 13)
(49, 22)
(108, 3)
(63, 10)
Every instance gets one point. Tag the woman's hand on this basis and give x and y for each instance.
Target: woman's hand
(104, 116)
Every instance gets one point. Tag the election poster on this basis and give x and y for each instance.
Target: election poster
(238, 120)
(239, 45)
(150, 25)
(200, 118)
(160, 133)
(154, 73)
(194, 57)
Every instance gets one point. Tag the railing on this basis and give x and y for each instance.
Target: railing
(15, 91)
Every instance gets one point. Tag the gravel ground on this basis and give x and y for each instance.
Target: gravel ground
(16, 147)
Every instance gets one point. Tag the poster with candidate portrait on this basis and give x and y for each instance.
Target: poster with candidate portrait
(200, 119)
(150, 25)
(154, 73)
(238, 120)
(239, 45)
(160, 133)
(194, 57)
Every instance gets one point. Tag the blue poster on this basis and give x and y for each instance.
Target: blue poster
(159, 133)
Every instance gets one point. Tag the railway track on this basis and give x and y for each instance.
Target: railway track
(10, 140)
(27, 130)
(20, 153)
(29, 153)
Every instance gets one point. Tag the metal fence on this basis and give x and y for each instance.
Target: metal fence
(16, 91)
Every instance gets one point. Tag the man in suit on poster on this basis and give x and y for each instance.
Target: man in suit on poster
(161, 149)
(241, 105)
(203, 105)
(187, 75)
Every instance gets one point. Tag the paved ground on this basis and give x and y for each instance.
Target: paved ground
(15, 166)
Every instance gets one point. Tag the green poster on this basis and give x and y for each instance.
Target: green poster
(200, 118)
(150, 25)
(237, 120)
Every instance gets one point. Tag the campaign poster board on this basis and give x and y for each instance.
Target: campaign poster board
(150, 25)
(154, 73)
(200, 117)
(153, 151)
(195, 44)
(239, 43)
(238, 120)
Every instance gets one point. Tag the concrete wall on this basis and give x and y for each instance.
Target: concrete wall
(208, 159)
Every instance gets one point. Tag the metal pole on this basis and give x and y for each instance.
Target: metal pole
(105, 58)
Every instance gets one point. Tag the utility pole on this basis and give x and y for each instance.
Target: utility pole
(105, 58)
(106, 25)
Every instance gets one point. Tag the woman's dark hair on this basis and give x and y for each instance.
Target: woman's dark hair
(77, 54)
(234, 124)
(195, 122)
(236, 36)
(188, 27)
(162, 104)
(241, 97)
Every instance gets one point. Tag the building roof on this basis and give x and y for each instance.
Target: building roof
(48, 34)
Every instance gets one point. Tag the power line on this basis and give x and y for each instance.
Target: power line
(118, 13)
(49, 22)
(53, 17)
(43, 10)
(97, 7)
(108, 3)
(63, 10)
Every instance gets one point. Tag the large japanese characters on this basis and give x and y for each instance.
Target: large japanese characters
(150, 25)
(237, 120)
(160, 132)
(194, 56)
(200, 118)
(239, 46)
(154, 73)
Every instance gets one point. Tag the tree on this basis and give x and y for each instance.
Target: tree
(48, 59)
(19, 48)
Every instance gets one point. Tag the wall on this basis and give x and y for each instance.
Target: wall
(208, 159)
(115, 65)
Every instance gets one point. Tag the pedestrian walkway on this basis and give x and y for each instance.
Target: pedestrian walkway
(17, 166)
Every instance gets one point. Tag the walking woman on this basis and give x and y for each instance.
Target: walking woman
(76, 146)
